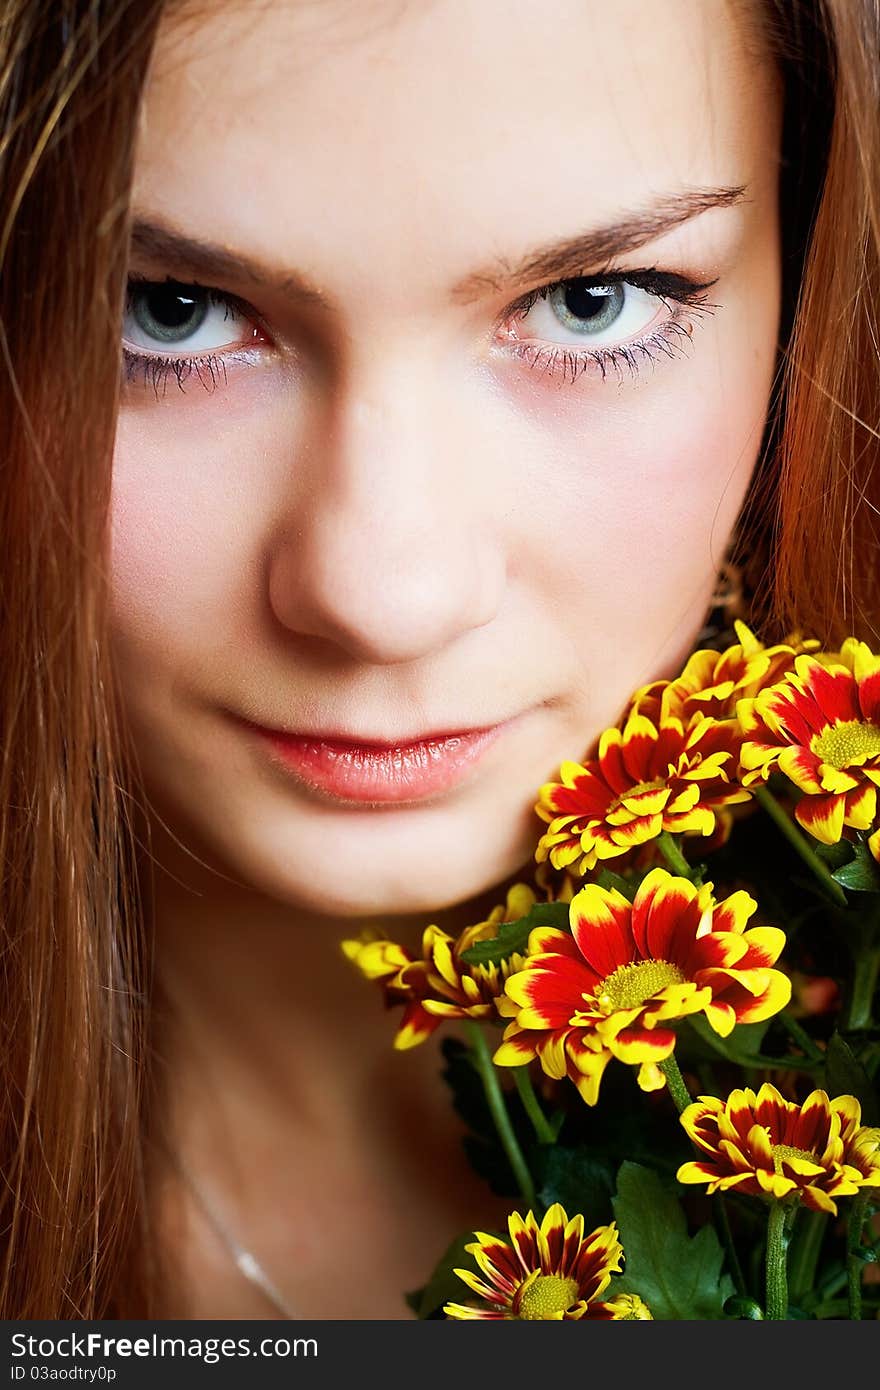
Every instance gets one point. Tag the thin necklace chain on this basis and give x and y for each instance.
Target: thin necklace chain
(245, 1260)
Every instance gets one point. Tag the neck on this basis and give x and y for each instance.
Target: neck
(276, 1082)
(254, 994)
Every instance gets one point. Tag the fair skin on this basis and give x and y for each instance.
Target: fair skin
(385, 519)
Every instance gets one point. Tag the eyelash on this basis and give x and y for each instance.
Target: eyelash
(668, 340)
(154, 369)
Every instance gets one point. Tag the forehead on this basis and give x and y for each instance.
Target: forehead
(437, 128)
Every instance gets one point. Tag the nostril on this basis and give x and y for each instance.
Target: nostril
(384, 596)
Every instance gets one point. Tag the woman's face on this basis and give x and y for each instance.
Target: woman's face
(379, 483)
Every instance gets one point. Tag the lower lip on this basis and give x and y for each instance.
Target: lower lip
(376, 772)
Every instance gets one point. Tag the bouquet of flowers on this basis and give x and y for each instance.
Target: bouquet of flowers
(672, 1040)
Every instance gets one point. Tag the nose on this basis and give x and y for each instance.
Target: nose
(388, 550)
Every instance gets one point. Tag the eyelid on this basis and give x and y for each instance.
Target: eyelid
(684, 291)
(215, 295)
(681, 295)
(664, 284)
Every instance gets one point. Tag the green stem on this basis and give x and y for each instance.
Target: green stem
(668, 847)
(867, 965)
(853, 1261)
(532, 1106)
(799, 842)
(675, 1081)
(800, 1036)
(833, 1283)
(726, 1234)
(495, 1099)
(777, 1253)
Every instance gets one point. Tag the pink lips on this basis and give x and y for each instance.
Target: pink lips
(379, 772)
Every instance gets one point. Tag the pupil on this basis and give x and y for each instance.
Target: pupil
(168, 312)
(596, 306)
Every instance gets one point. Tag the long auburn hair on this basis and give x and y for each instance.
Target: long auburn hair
(75, 966)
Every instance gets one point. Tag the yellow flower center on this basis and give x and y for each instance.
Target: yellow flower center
(631, 985)
(634, 791)
(843, 743)
(544, 1295)
(781, 1151)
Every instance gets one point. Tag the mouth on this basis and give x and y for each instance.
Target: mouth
(368, 771)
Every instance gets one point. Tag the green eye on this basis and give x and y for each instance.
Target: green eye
(586, 308)
(168, 313)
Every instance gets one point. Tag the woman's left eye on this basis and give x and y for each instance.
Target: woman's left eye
(608, 324)
(592, 315)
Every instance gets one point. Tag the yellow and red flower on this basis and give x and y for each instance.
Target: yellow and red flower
(629, 970)
(820, 726)
(861, 1143)
(712, 682)
(628, 1307)
(439, 984)
(648, 777)
(551, 1272)
(770, 1147)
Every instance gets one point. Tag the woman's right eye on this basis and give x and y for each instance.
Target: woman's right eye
(169, 316)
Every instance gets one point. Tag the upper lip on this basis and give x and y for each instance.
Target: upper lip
(371, 740)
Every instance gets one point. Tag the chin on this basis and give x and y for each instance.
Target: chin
(387, 892)
(401, 870)
(337, 863)
(382, 898)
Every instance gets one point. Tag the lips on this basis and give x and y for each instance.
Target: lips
(369, 771)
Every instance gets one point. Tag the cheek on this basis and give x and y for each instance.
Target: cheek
(641, 483)
(638, 545)
(181, 519)
(674, 486)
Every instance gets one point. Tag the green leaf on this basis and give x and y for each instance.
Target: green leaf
(743, 1045)
(845, 1076)
(514, 936)
(745, 1040)
(630, 884)
(836, 855)
(607, 879)
(859, 877)
(738, 1046)
(578, 1180)
(862, 873)
(679, 1276)
(444, 1285)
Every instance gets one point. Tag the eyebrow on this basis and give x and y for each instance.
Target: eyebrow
(156, 241)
